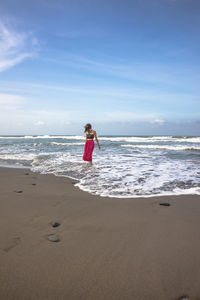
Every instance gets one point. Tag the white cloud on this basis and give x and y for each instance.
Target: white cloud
(39, 123)
(14, 47)
(8, 62)
(10, 101)
(33, 121)
(158, 121)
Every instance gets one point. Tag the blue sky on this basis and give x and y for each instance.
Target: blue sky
(128, 67)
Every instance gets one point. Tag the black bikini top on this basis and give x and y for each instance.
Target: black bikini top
(90, 136)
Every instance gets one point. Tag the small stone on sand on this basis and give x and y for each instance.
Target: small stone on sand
(53, 238)
(18, 191)
(33, 183)
(26, 173)
(164, 204)
(55, 224)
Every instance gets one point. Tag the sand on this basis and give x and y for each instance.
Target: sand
(109, 248)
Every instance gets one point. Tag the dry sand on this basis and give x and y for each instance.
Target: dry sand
(109, 248)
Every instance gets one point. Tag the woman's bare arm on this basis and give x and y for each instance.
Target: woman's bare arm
(97, 140)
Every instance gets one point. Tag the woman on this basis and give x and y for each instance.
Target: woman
(89, 144)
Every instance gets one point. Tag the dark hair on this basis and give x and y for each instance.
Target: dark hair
(88, 127)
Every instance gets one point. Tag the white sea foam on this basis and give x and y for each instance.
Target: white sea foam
(67, 137)
(151, 139)
(67, 144)
(176, 192)
(176, 148)
(130, 139)
(131, 177)
(110, 138)
(140, 178)
(59, 144)
(28, 157)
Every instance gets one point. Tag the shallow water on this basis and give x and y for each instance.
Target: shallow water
(124, 167)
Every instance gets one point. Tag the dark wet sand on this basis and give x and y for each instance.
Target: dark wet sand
(109, 249)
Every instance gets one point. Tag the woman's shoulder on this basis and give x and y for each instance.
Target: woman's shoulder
(91, 132)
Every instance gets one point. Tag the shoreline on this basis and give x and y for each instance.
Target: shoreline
(112, 197)
(110, 248)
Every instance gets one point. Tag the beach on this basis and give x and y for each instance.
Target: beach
(109, 248)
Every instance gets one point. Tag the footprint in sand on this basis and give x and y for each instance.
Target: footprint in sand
(13, 243)
(164, 203)
(53, 238)
(54, 224)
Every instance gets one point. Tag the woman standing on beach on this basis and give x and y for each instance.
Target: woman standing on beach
(89, 144)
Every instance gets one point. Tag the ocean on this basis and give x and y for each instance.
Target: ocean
(125, 167)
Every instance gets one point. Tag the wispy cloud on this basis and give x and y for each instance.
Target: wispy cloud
(128, 116)
(10, 101)
(145, 93)
(153, 73)
(14, 46)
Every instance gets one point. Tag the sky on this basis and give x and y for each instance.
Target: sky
(127, 67)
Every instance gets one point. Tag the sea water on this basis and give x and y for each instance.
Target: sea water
(125, 167)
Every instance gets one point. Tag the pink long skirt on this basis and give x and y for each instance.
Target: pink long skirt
(89, 147)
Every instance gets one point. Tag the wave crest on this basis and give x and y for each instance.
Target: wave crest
(163, 147)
